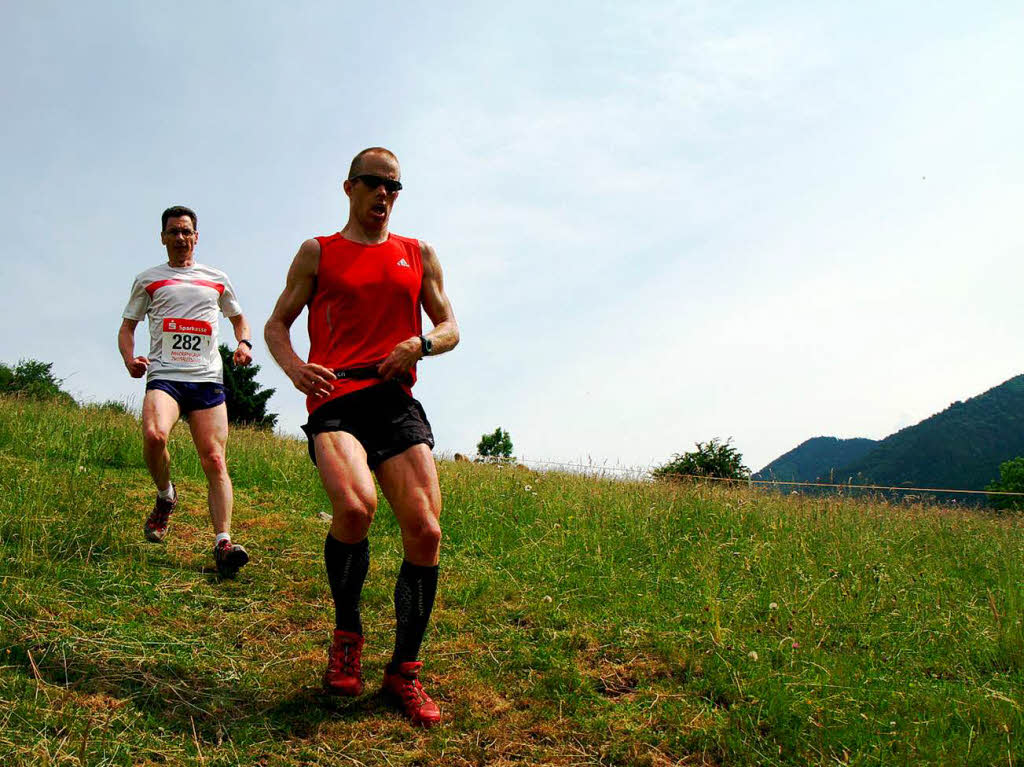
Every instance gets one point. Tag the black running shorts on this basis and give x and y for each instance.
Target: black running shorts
(191, 396)
(384, 418)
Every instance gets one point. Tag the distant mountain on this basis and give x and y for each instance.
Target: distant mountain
(815, 459)
(961, 447)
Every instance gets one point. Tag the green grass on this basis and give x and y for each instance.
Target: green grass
(579, 621)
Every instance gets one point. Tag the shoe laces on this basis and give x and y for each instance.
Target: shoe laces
(411, 690)
(344, 658)
(160, 515)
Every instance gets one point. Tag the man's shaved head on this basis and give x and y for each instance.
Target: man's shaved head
(357, 162)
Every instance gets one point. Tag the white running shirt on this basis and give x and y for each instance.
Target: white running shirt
(183, 304)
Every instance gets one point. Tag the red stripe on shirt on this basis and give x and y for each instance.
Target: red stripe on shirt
(152, 287)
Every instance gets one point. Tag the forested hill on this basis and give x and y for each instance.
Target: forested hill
(961, 447)
(816, 459)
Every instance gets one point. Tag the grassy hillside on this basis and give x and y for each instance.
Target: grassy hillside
(579, 621)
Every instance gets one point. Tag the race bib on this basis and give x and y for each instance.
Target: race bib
(187, 343)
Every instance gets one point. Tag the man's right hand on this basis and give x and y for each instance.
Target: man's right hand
(313, 379)
(137, 367)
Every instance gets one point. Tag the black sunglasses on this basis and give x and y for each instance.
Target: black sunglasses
(372, 181)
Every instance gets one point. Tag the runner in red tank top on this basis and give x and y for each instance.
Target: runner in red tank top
(367, 301)
(365, 289)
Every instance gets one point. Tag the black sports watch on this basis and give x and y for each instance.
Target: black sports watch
(426, 346)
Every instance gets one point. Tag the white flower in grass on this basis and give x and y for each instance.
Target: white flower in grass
(752, 655)
(773, 606)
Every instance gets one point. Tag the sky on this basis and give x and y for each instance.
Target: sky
(659, 222)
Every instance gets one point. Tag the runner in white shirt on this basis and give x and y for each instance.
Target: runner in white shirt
(184, 375)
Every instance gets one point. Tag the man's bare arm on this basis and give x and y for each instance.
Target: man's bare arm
(298, 290)
(242, 355)
(444, 336)
(126, 345)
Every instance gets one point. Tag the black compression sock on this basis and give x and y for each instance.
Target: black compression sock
(414, 599)
(347, 564)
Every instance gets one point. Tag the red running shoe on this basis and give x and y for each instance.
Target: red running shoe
(156, 523)
(404, 685)
(229, 557)
(344, 673)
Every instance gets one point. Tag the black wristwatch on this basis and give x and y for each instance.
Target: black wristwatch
(426, 346)
(247, 342)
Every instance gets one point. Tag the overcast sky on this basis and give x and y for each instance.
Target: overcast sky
(659, 222)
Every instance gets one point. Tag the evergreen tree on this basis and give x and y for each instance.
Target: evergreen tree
(247, 405)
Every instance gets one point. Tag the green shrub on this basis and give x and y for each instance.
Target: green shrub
(496, 446)
(34, 379)
(710, 459)
(1011, 480)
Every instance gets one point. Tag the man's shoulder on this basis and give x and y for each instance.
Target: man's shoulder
(157, 272)
(325, 239)
(211, 271)
(410, 242)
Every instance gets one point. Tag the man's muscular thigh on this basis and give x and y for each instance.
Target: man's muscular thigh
(409, 482)
(346, 478)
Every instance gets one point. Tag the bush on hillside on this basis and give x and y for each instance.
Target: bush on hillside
(496, 446)
(34, 379)
(1011, 480)
(110, 406)
(710, 459)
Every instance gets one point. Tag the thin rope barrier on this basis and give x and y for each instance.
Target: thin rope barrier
(646, 472)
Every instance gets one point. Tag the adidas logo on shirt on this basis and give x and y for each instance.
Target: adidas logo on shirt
(403, 262)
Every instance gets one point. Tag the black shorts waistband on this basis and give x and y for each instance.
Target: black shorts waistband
(367, 372)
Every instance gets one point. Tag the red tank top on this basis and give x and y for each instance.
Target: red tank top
(366, 301)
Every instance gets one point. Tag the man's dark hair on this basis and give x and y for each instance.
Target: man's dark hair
(178, 210)
(357, 162)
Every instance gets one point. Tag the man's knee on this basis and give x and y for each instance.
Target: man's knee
(353, 510)
(424, 532)
(213, 462)
(154, 438)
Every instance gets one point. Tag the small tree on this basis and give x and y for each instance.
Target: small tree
(35, 379)
(496, 446)
(1011, 480)
(247, 405)
(710, 459)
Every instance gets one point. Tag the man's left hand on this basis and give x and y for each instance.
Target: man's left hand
(402, 359)
(241, 357)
